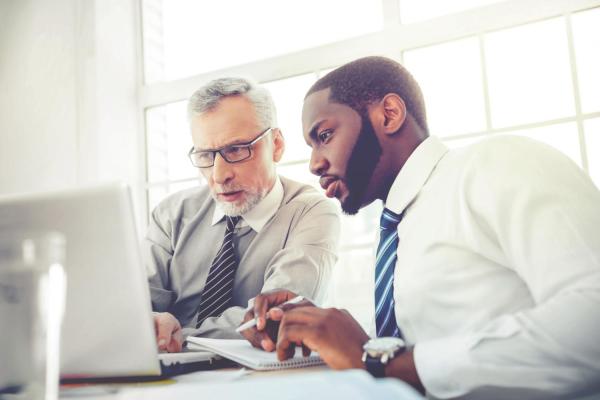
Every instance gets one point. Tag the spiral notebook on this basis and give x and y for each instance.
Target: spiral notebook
(242, 352)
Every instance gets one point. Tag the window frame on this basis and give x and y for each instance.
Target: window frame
(474, 22)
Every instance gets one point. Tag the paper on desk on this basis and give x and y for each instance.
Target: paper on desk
(347, 385)
(211, 376)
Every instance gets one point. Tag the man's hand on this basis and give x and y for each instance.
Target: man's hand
(168, 332)
(338, 339)
(264, 334)
(333, 333)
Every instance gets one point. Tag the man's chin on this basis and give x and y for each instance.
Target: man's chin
(350, 205)
(233, 209)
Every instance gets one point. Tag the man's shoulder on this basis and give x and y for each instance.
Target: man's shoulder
(511, 164)
(502, 146)
(504, 154)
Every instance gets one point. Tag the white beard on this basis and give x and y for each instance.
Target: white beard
(252, 199)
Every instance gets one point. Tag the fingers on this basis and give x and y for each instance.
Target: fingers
(264, 301)
(164, 327)
(176, 343)
(306, 350)
(299, 325)
(289, 335)
(168, 332)
(276, 313)
(259, 339)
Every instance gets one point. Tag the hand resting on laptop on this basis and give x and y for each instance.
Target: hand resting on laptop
(168, 332)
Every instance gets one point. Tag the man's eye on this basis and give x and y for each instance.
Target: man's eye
(234, 150)
(325, 135)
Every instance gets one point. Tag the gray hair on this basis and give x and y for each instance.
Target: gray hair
(208, 97)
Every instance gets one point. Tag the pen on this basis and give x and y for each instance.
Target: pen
(252, 322)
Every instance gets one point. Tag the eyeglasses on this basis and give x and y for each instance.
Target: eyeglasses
(232, 154)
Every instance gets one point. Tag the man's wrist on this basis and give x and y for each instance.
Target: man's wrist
(403, 367)
(379, 351)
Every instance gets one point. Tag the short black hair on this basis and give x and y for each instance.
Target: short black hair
(366, 80)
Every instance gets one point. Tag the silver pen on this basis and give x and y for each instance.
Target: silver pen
(252, 322)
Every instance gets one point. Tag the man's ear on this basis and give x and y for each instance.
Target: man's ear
(394, 113)
(278, 145)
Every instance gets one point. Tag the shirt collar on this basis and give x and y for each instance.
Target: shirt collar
(414, 174)
(260, 214)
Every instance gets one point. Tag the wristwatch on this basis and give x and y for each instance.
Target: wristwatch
(379, 351)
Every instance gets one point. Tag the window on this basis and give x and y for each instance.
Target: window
(529, 74)
(184, 38)
(168, 142)
(412, 11)
(586, 37)
(489, 67)
(592, 140)
(288, 95)
(454, 93)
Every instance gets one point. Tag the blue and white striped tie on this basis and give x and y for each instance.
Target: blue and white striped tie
(385, 318)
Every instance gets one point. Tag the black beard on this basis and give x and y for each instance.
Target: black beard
(361, 165)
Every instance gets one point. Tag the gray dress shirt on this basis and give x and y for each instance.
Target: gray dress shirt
(296, 250)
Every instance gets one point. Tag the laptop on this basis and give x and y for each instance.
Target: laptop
(108, 329)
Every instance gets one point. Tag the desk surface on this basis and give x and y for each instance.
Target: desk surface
(235, 383)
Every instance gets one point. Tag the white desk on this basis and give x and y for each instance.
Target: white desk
(302, 383)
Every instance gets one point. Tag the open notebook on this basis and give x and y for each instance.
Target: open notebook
(242, 352)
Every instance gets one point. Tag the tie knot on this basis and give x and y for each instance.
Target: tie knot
(389, 219)
(232, 222)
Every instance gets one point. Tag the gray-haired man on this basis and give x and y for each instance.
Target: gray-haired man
(210, 249)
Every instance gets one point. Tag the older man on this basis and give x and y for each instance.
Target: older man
(487, 274)
(211, 249)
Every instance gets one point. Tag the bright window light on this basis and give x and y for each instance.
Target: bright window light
(451, 80)
(586, 36)
(592, 143)
(360, 229)
(352, 284)
(288, 95)
(529, 73)
(185, 38)
(421, 10)
(168, 142)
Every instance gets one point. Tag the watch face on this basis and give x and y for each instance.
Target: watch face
(383, 345)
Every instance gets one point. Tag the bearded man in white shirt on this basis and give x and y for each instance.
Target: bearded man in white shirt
(491, 288)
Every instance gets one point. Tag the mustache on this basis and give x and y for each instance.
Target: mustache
(233, 187)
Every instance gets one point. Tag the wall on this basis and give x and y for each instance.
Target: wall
(68, 94)
(38, 113)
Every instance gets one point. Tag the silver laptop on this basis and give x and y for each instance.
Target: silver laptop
(108, 329)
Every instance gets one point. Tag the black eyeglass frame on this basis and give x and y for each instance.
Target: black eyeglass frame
(247, 146)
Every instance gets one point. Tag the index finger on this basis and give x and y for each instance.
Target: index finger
(276, 313)
(266, 300)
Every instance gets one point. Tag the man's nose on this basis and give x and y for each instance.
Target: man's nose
(222, 171)
(318, 164)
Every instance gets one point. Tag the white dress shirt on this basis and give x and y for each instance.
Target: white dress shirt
(497, 280)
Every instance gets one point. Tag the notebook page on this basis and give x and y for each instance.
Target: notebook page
(242, 352)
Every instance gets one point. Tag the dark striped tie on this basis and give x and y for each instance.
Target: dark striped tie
(385, 318)
(219, 284)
